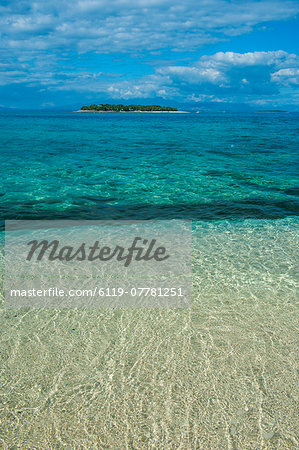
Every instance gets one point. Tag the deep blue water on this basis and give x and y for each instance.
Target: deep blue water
(198, 166)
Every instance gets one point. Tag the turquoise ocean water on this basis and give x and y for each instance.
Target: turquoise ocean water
(197, 166)
(218, 375)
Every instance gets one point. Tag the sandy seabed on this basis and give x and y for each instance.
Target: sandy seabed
(220, 375)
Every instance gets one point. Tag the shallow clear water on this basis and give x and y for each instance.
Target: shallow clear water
(221, 374)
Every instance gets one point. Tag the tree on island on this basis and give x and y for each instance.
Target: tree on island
(126, 108)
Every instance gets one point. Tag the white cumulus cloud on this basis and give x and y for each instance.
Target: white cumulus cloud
(228, 75)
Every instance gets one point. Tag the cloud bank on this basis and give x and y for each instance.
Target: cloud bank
(256, 77)
(131, 25)
(42, 45)
(225, 75)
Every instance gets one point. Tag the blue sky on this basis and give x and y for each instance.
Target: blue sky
(188, 53)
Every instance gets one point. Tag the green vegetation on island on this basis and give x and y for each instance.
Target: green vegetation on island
(126, 108)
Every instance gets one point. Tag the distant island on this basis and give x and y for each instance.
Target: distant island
(271, 111)
(127, 108)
